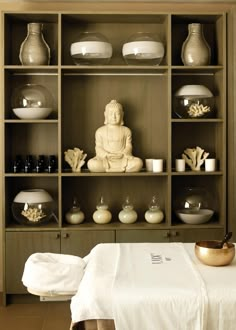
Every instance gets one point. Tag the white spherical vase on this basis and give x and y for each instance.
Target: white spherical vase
(91, 49)
(143, 49)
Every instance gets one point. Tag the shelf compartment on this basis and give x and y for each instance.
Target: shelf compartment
(16, 31)
(16, 78)
(29, 139)
(88, 191)
(214, 32)
(213, 80)
(106, 24)
(213, 184)
(208, 136)
(145, 104)
(13, 185)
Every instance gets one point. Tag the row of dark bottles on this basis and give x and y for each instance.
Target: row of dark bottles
(31, 164)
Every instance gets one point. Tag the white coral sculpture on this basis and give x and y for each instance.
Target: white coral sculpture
(75, 158)
(195, 157)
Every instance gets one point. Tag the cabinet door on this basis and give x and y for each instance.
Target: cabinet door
(19, 246)
(190, 235)
(133, 236)
(81, 242)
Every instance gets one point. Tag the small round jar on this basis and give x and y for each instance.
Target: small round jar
(32, 207)
(154, 214)
(143, 49)
(193, 101)
(32, 101)
(102, 215)
(74, 215)
(127, 215)
(194, 205)
(91, 49)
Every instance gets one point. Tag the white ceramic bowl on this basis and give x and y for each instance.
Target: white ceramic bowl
(195, 218)
(32, 113)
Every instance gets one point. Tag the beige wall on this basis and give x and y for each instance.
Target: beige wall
(81, 5)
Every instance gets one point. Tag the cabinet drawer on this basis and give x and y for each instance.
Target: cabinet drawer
(81, 242)
(132, 236)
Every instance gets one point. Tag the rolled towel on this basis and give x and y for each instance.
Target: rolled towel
(53, 273)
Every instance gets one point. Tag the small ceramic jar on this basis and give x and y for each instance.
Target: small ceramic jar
(74, 216)
(102, 215)
(154, 214)
(127, 214)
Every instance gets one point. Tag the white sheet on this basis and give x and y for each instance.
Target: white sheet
(157, 287)
(94, 299)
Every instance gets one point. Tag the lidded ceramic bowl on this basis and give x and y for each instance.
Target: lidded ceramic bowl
(193, 101)
(194, 205)
(143, 49)
(91, 48)
(32, 101)
(32, 207)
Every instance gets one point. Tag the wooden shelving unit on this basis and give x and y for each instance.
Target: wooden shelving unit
(80, 95)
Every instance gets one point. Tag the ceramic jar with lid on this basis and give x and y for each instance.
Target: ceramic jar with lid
(74, 215)
(154, 214)
(102, 215)
(128, 214)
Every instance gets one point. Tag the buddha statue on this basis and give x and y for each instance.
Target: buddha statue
(113, 144)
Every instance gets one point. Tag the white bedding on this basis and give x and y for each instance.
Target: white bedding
(176, 292)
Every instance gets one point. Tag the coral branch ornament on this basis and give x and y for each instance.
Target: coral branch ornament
(195, 157)
(75, 158)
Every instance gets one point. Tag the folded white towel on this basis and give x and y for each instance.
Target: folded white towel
(53, 273)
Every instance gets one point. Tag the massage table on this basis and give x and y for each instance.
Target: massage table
(152, 286)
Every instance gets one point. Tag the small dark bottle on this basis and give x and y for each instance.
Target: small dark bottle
(52, 164)
(17, 164)
(29, 164)
(40, 164)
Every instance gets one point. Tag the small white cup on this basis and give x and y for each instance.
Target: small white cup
(210, 164)
(149, 164)
(180, 165)
(157, 165)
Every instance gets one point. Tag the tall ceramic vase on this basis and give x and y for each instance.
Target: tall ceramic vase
(34, 50)
(195, 49)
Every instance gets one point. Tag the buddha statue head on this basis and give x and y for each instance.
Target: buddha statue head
(114, 113)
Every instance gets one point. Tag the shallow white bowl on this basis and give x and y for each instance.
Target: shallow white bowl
(32, 113)
(195, 218)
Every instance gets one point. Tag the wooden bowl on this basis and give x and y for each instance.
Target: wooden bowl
(208, 253)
